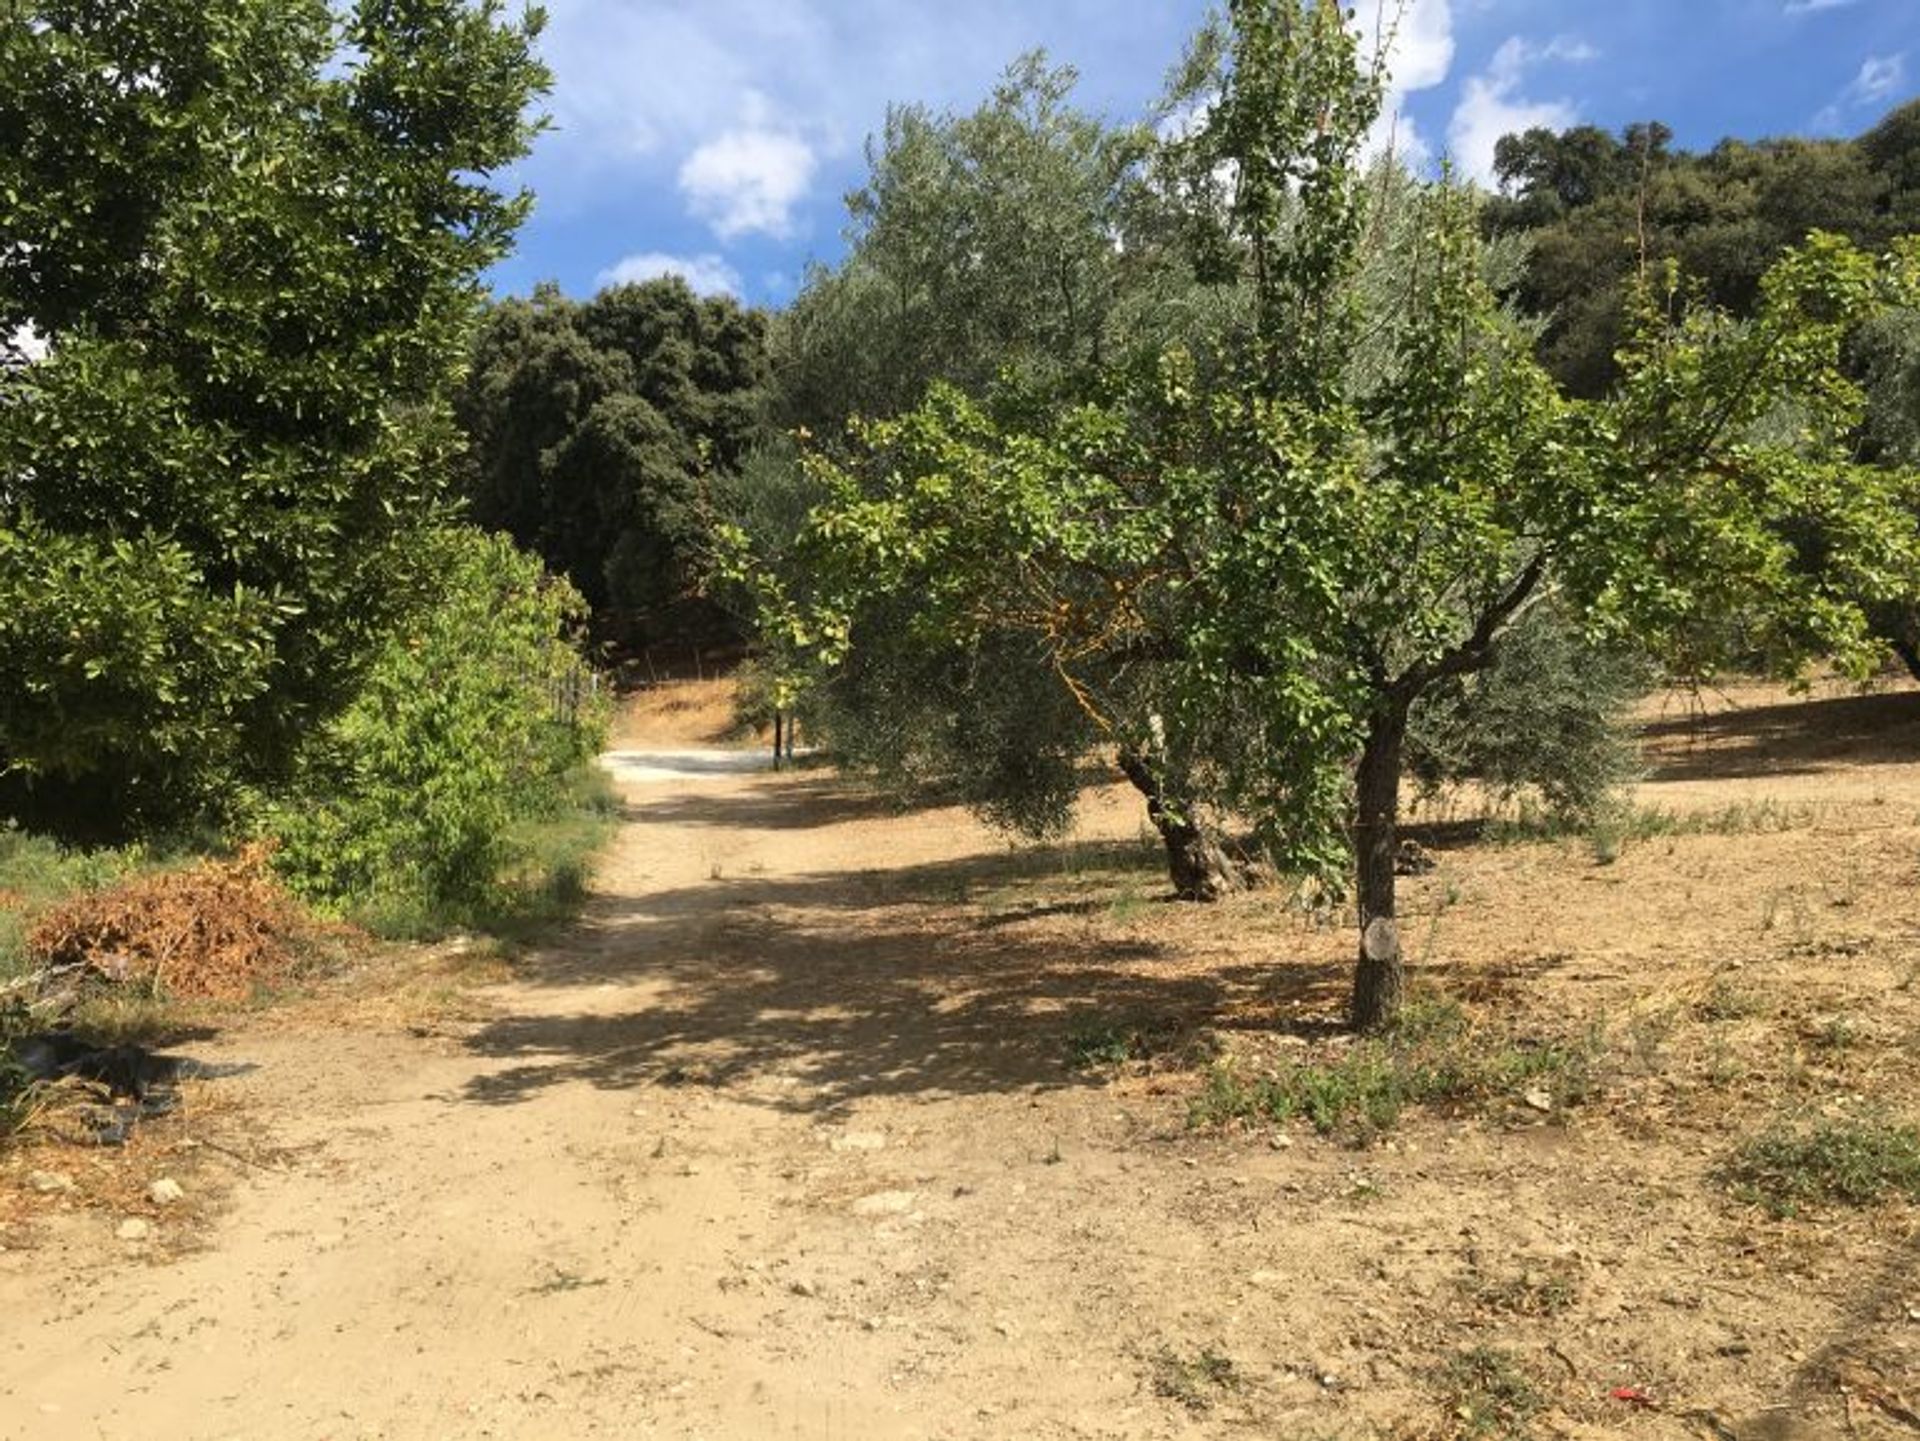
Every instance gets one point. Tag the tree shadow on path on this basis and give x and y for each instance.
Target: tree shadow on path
(810, 992)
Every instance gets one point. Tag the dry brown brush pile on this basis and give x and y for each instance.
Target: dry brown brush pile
(214, 930)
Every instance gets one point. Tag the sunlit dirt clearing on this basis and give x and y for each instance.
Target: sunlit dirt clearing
(783, 1140)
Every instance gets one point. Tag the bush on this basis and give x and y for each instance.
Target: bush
(469, 733)
(1852, 1163)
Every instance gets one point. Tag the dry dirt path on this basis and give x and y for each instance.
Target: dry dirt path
(780, 1141)
(724, 1164)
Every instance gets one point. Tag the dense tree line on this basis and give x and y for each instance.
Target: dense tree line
(1597, 210)
(598, 427)
(235, 596)
(1596, 207)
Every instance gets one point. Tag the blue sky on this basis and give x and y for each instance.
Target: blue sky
(717, 138)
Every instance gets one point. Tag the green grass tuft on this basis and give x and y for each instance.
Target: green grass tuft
(1433, 1055)
(1491, 1395)
(1854, 1163)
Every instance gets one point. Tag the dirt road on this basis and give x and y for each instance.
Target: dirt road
(781, 1141)
(721, 1166)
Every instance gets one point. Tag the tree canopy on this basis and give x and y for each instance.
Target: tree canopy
(1597, 206)
(252, 235)
(1355, 501)
(596, 426)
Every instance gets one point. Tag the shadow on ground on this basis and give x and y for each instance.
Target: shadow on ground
(1791, 738)
(808, 992)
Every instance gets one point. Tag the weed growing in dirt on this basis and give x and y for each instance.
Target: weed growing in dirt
(1193, 1381)
(1853, 1163)
(1099, 1043)
(1725, 1001)
(16, 1086)
(1128, 906)
(1490, 1394)
(1433, 1055)
(1613, 827)
(1546, 1292)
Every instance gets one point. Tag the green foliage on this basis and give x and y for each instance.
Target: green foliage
(597, 430)
(1544, 727)
(250, 234)
(410, 808)
(979, 243)
(1429, 1056)
(1853, 1163)
(1490, 1394)
(1251, 568)
(1598, 208)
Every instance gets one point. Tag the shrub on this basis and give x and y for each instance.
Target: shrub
(1431, 1056)
(471, 727)
(1855, 1163)
(1546, 721)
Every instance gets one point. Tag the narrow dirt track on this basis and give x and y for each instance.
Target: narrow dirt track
(781, 1141)
(727, 1163)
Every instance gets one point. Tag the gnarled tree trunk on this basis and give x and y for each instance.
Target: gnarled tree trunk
(1379, 979)
(1197, 864)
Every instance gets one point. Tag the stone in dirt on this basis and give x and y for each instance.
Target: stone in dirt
(134, 1229)
(165, 1191)
(48, 1182)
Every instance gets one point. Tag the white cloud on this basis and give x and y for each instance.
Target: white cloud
(1414, 41)
(1880, 76)
(707, 274)
(748, 180)
(1491, 104)
(1879, 79)
(1808, 7)
(641, 84)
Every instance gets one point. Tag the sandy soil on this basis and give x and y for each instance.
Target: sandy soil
(782, 1140)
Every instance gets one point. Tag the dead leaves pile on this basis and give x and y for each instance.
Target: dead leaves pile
(214, 930)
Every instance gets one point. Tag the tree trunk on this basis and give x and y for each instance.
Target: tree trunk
(1379, 978)
(1198, 866)
(1899, 625)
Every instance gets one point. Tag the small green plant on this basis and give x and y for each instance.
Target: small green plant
(1725, 1001)
(16, 1086)
(1432, 1056)
(1647, 1036)
(1490, 1394)
(1128, 906)
(1837, 1034)
(1854, 1163)
(1193, 1381)
(1099, 1043)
